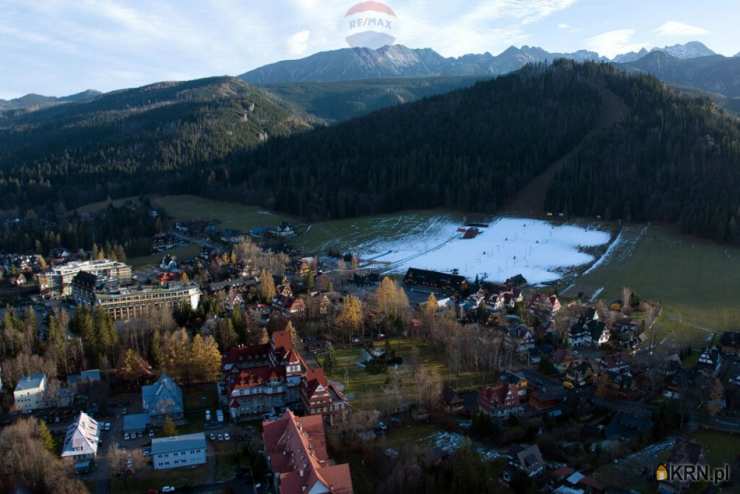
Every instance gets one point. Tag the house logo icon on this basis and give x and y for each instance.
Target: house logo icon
(370, 25)
(661, 473)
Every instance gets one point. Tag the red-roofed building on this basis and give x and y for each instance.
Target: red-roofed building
(504, 399)
(296, 452)
(258, 379)
(320, 397)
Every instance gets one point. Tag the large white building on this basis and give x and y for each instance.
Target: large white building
(58, 280)
(136, 302)
(179, 451)
(30, 393)
(81, 441)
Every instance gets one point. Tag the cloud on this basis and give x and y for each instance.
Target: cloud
(120, 43)
(490, 26)
(613, 43)
(680, 29)
(563, 25)
(298, 43)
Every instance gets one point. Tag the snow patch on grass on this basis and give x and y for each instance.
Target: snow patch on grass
(539, 250)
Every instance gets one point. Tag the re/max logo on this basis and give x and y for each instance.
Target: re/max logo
(686, 473)
(370, 22)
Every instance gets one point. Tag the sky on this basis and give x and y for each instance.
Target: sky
(60, 47)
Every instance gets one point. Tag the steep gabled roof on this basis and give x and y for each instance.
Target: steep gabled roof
(82, 437)
(296, 447)
(163, 397)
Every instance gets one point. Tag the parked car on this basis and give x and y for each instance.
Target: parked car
(126, 436)
(220, 437)
(212, 436)
(220, 416)
(208, 415)
(151, 434)
(227, 436)
(167, 488)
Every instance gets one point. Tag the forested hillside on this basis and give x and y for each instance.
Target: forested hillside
(471, 149)
(674, 159)
(117, 143)
(337, 101)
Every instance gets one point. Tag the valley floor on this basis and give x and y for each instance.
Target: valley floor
(696, 281)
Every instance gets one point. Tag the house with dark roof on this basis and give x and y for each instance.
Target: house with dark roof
(710, 361)
(447, 283)
(729, 343)
(579, 374)
(295, 448)
(528, 459)
(628, 426)
(162, 399)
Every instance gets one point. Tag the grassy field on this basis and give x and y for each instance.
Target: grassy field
(695, 280)
(231, 215)
(94, 207)
(348, 234)
(344, 233)
(368, 391)
(719, 447)
(181, 252)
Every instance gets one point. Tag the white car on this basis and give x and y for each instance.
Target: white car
(227, 436)
(126, 436)
(167, 488)
(212, 436)
(220, 437)
(208, 415)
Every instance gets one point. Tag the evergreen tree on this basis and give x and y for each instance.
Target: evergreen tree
(46, 438)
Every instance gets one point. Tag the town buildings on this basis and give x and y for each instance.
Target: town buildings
(30, 393)
(58, 280)
(179, 451)
(508, 397)
(260, 379)
(81, 441)
(296, 452)
(135, 302)
(162, 399)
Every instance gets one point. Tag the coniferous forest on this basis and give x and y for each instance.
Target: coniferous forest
(672, 158)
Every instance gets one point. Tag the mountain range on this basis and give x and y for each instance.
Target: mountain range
(399, 61)
(712, 74)
(33, 101)
(325, 84)
(692, 49)
(346, 83)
